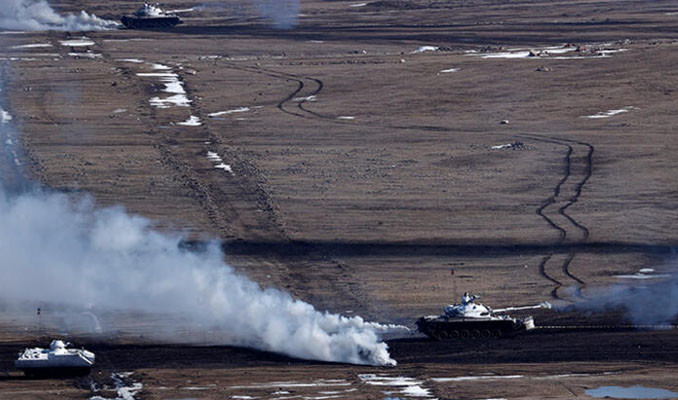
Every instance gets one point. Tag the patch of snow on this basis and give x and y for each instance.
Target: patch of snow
(346, 117)
(77, 42)
(160, 66)
(426, 48)
(5, 117)
(86, 55)
(476, 378)
(191, 121)
(445, 71)
(235, 110)
(308, 98)
(119, 110)
(316, 41)
(243, 397)
(31, 46)
(609, 113)
(178, 100)
(409, 386)
(502, 146)
(358, 5)
(646, 270)
(130, 60)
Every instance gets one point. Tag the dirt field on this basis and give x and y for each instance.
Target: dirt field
(526, 144)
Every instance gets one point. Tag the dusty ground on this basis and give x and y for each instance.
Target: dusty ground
(361, 198)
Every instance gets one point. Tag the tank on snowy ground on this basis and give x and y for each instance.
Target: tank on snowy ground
(471, 319)
(58, 360)
(151, 16)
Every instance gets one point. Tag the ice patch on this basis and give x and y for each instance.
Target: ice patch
(31, 46)
(445, 71)
(633, 392)
(235, 110)
(426, 48)
(609, 113)
(191, 121)
(77, 42)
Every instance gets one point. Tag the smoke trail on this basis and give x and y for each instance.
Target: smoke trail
(37, 15)
(282, 14)
(649, 304)
(58, 249)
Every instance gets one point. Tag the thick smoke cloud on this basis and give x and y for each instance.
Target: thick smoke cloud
(37, 15)
(63, 250)
(646, 304)
(60, 250)
(282, 14)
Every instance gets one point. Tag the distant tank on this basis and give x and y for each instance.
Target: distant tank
(57, 360)
(471, 319)
(151, 16)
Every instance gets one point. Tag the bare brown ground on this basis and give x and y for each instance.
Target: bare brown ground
(367, 214)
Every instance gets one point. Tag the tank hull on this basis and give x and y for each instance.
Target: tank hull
(468, 328)
(150, 22)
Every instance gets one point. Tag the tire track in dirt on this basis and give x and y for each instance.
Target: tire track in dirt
(545, 268)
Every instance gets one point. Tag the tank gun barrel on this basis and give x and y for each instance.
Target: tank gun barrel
(544, 304)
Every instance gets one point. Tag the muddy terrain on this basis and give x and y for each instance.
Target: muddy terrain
(354, 161)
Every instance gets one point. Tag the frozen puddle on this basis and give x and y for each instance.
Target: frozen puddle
(172, 84)
(214, 157)
(633, 392)
(644, 273)
(609, 113)
(126, 391)
(82, 42)
(31, 46)
(426, 48)
(191, 121)
(235, 110)
(407, 386)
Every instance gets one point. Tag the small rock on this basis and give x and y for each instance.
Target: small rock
(504, 122)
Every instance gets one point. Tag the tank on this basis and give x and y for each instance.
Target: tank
(151, 16)
(57, 360)
(472, 319)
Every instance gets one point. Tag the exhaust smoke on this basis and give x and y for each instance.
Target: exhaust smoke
(648, 304)
(282, 14)
(37, 15)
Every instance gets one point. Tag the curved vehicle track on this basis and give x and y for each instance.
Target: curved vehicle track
(564, 196)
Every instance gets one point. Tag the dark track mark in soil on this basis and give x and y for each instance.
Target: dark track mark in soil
(574, 197)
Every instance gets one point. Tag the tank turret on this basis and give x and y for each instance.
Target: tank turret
(472, 319)
(57, 360)
(150, 16)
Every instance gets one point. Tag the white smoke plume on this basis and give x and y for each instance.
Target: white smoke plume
(282, 14)
(57, 249)
(37, 15)
(646, 304)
